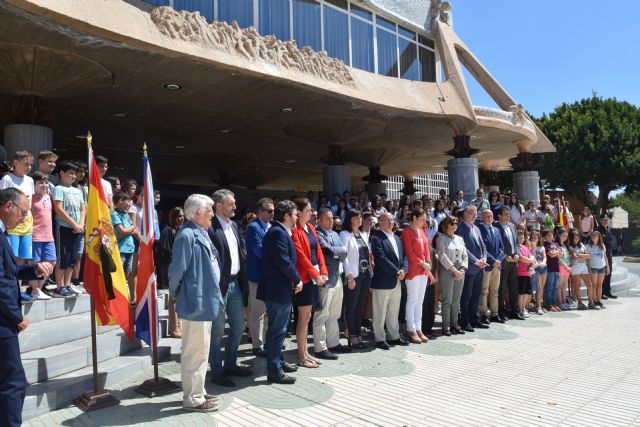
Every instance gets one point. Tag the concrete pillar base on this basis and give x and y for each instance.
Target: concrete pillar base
(527, 186)
(336, 179)
(463, 175)
(375, 188)
(31, 138)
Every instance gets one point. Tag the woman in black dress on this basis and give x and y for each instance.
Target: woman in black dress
(167, 237)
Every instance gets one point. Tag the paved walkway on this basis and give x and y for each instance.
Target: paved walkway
(571, 368)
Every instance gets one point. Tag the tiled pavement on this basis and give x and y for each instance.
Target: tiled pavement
(572, 368)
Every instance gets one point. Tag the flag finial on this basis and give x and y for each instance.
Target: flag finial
(89, 139)
(144, 148)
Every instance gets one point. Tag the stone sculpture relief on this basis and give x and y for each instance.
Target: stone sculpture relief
(248, 43)
(440, 11)
(518, 116)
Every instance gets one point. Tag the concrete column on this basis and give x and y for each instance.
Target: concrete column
(463, 175)
(374, 188)
(336, 179)
(527, 185)
(31, 138)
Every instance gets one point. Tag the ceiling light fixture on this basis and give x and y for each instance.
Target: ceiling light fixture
(225, 131)
(172, 86)
(287, 110)
(179, 147)
(121, 115)
(290, 161)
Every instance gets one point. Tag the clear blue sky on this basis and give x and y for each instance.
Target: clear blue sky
(546, 52)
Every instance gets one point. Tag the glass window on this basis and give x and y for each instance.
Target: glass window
(427, 65)
(236, 10)
(158, 2)
(425, 41)
(274, 18)
(205, 7)
(386, 23)
(411, 35)
(362, 13)
(342, 4)
(306, 24)
(362, 45)
(336, 34)
(409, 67)
(387, 54)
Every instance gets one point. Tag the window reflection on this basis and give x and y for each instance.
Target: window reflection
(236, 10)
(306, 24)
(387, 54)
(362, 45)
(409, 67)
(274, 18)
(336, 34)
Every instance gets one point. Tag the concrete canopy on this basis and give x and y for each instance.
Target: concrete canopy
(101, 67)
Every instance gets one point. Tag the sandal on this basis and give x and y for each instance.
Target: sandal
(314, 360)
(306, 363)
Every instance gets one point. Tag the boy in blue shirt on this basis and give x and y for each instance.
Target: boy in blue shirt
(126, 232)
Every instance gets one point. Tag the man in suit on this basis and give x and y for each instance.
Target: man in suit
(472, 288)
(390, 267)
(608, 239)
(491, 278)
(326, 332)
(278, 281)
(253, 237)
(14, 206)
(226, 238)
(509, 273)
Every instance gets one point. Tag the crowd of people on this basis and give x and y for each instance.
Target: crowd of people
(337, 270)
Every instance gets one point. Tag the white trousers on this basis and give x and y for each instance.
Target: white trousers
(386, 307)
(196, 339)
(416, 288)
(326, 332)
(257, 318)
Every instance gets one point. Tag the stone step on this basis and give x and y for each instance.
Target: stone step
(50, 362)
(61, 391)
(55, 308)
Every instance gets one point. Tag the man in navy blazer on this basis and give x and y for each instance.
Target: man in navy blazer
(390, 267)
(278, 282)
(509, 273)
(472, 288)
(254, 236)
(326, 332)
(226, 238)
(14, 206)
(491, 278)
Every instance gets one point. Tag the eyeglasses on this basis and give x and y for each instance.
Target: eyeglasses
(22, 211)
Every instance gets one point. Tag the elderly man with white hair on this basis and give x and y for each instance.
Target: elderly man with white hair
(194, 279)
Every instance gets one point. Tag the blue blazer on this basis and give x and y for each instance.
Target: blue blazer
(278, 266)
(10, 305)
(254, 235)
(334, 252)
(493, 242)
(193, 278)
(475, 248)
(386, 263)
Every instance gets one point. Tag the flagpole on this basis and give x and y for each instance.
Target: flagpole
(97, 398)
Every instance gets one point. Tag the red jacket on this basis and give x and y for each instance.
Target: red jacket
(415, 251)
(305, 269)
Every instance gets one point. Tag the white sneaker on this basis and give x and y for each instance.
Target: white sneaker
(540, 311)
(75, 289)
(39, 295)
(525, 313)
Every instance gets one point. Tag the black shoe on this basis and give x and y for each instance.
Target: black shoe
(457, 331)
(611, 296)
(281, 379)
(496, 319)
(504, 319)
(516, 316)
(340, 349)
(259, 352)
(605, 297)
(383, 345)
(399, 341)
(468, 329)
(238, 371)
(446, 333)
(325, 354)
(480, 326)
(485, 321)
(222, 381)
(289, 367)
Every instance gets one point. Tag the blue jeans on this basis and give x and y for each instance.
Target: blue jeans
(234, 308)
(470, 299)
(551, 288)
(278, 316)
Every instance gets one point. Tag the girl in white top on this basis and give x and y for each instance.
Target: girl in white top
(516, 209)
(587, 224)
(598, 265)
(579, 270)
(533, 217)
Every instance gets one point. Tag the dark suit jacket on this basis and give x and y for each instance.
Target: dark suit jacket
(386, 263)
(334, 252)
(216, 233)
(493, 241)
(475, 248)
(508, 249)
(10, 272)
(278, 264)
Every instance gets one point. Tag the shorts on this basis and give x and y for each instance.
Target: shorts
(127, 262)
(541, 270)
(535, 278)
(44, 251)
(66, 242)
(136, 246)
(579, 268)
(21, 245)
(598, 270)
(524, 285)
(564, 271)
(79, 246)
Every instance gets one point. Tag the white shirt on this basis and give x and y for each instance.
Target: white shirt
(234, 250)
(394, 245)
(106, 187)
(286, 228)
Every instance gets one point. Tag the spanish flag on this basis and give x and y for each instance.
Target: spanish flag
(103, 273)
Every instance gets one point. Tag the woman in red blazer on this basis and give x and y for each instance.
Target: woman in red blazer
(416, 248)
(313, 272)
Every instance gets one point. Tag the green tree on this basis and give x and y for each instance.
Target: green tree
(597, 144)
(630, 202)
